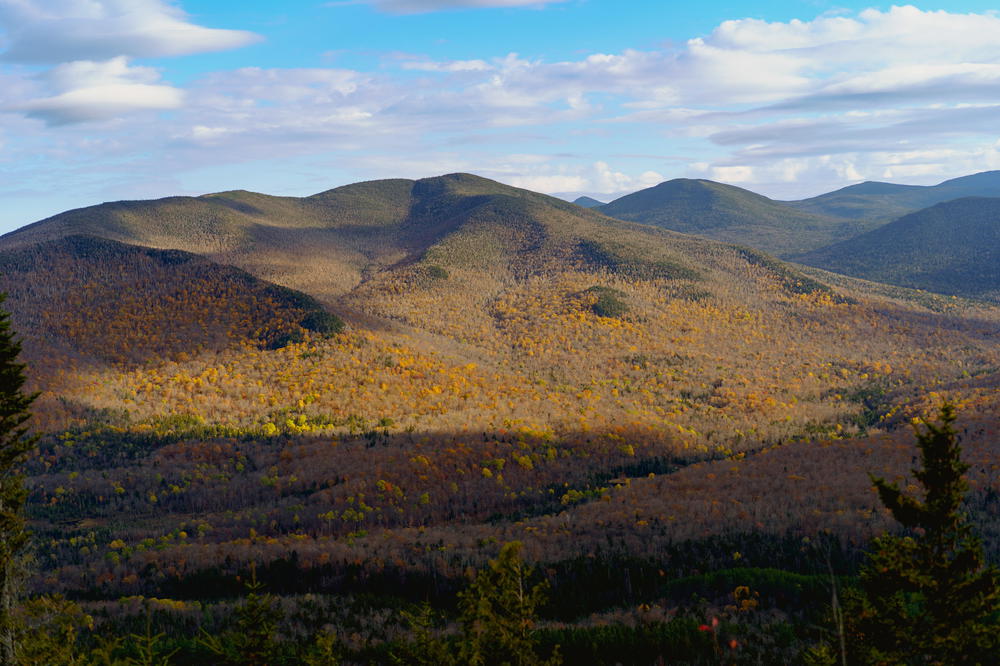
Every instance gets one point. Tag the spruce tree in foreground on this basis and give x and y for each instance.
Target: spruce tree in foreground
(14, 445)
(928, 597)
(499, 613)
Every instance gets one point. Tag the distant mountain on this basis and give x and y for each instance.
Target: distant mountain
(951, 248)
(887, 201)
(731, 214)
(329, 243)
(350, 246)
(588, 202)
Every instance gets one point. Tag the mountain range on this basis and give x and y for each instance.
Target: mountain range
(331, 243)
(869, 230)
(888, 201)
(733, 215)
(328, 244)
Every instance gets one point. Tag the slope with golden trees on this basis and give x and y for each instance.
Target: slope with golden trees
(513, 368)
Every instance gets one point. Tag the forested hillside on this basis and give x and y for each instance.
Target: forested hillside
(734, 215)
(673, 427)
(950, 248)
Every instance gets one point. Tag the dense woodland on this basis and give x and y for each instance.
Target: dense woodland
(678, 433)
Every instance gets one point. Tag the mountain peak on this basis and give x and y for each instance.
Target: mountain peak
(727, 213)
(588, 202)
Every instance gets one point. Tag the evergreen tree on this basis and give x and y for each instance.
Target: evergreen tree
(928, 597)
(253, 639)
(498, 614)
(14, 445)
(426, 647)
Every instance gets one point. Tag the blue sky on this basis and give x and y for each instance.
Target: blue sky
(123, 99)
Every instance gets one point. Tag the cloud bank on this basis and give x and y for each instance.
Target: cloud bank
(88, 91)
(55, 31)
(90, 45)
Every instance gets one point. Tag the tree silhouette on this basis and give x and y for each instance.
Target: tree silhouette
(928, 597)
(14, 445)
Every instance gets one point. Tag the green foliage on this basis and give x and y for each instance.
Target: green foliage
(253, 639)
(14, 446)
(625, 260)
(322, 322)
(793, 281)
(498, 614)
(435, 272)
(609, 302)
(49, 631)
(675, 642)
(149, 650)
(426, 647)
(928, 596)
(874, 403)
(325, 650)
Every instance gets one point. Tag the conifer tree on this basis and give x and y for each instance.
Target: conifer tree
(498, 614)
(253, 639)
(928, 597)
(14, 445)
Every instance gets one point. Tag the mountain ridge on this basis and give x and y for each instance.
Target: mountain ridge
(588, 202)
(951, 247)
(888, 201)
(730, 214)
(328, 243)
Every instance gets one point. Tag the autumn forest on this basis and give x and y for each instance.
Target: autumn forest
(278, 430)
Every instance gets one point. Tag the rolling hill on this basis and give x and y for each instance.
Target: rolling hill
(331, 243)
(887, 201)
(80, 292)
(951, 248)
(732, 214)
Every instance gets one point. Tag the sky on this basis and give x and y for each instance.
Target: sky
(103, 100)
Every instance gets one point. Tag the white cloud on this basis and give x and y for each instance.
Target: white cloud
(93, 91)
(596, 179)
(550, 184)
(102, 103)
(452, 66)
(90, 44)
(794, 108)
(424, 6)
(53, 31)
